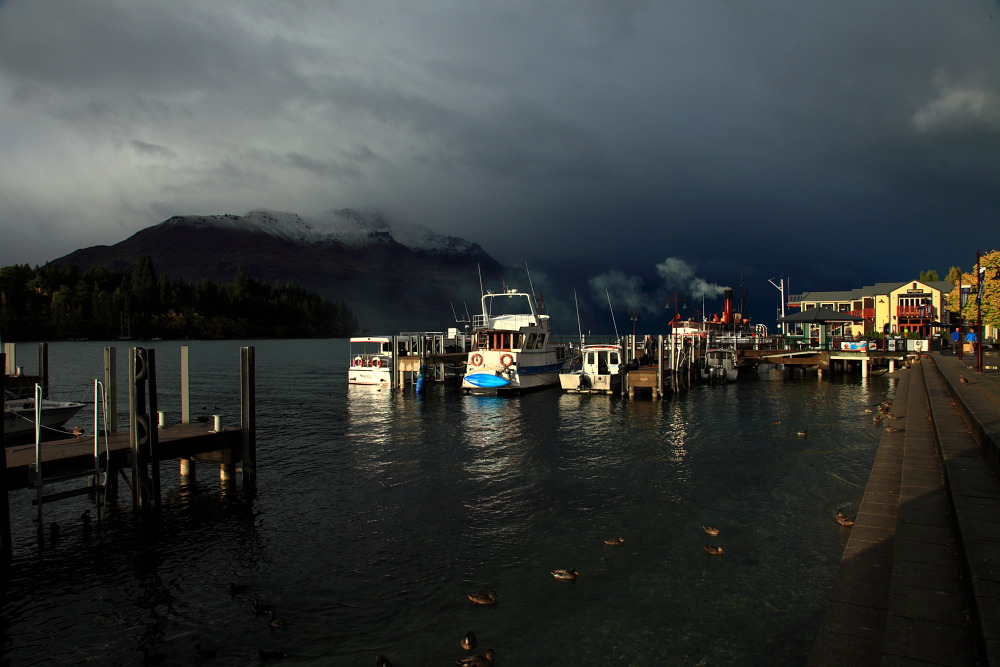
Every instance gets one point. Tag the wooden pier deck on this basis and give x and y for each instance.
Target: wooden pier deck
(134, 455)
(197, 441)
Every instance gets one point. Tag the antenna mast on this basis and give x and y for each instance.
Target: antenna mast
(612, 312)
(529, 278)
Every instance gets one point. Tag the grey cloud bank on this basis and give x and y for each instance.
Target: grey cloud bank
(839, 142)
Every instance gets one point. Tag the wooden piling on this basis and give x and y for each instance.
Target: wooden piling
(152, 409)
(111, 387)
(248, 413)
(139, 429)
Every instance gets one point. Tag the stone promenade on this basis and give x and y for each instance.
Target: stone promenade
(919, 583)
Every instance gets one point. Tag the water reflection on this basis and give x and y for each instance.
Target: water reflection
(375, 512)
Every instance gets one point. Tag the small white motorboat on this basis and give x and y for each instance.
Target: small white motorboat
(600, 371)
(19, 415)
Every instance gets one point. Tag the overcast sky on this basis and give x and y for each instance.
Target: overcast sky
(838, 142)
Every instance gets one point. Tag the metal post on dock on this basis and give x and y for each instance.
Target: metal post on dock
(248, 413)
(659, 366)
(185, 385)
(187, 465)
(43, 368)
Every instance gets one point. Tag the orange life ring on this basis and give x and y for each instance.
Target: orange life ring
(358, 361)
(477, 359)
(376, 363)
(506, 360)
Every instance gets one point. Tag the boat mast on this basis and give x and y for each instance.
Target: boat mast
(579, 327)
(530, 285)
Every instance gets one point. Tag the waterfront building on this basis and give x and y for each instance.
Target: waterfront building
(887, 308)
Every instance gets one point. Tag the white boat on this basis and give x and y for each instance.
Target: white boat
(19, 415)
(370, 360)
(600, 371)
(720, 365)
(512, 348)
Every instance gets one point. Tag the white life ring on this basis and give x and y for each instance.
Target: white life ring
(506, 360)
(477, 359)
(358, 361)
(376, 363)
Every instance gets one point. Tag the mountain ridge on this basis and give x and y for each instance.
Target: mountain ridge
(348, 255)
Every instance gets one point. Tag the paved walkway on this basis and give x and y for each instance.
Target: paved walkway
(919, 583)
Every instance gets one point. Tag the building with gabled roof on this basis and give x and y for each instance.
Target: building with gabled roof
(914, 306)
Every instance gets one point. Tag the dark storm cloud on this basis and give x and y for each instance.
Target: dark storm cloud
(842, 142)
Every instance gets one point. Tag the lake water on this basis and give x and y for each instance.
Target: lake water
(375, 513)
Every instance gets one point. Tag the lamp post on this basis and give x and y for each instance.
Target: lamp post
(781, 288)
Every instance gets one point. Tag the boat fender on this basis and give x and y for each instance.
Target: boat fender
(358, 361)
(477, 359)
(506, 360)
(376, 363)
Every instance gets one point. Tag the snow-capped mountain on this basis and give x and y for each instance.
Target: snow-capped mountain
(394, 277)
(346, 226)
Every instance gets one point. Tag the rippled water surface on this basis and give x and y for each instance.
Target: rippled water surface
(375, 512)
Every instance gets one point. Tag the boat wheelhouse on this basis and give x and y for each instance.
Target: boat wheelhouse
(370, 360)
(600, 372)
(720, 365)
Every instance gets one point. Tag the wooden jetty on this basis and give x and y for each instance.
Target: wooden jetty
(96, 462)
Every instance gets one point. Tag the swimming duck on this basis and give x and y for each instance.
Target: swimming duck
(78, 431)
(892, 429)
(478, 660)
(483, 598)
(963, 379)
(468, 642)
(868, 411)
(844, 520)
(565, 575)
(803, 433)
(615, 541)
(777, 422)
(276, 622)
(711, 530)
(715, 551)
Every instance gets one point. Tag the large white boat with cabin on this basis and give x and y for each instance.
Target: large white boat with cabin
(512, 347)
(600, 372)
